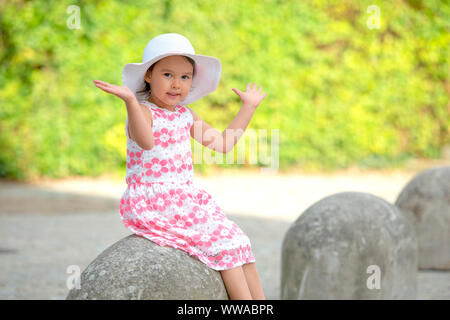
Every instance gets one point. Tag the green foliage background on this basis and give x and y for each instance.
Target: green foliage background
(339, 92)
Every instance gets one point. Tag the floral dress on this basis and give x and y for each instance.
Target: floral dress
(163, 204)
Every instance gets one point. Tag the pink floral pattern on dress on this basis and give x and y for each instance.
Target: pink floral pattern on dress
(163, 204)
(164, 137)
(203, 198)
(178, 196)
(133, 158)
(160, 202)
(156, 167)
(198, 215)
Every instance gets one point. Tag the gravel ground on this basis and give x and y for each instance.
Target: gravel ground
(48, 226)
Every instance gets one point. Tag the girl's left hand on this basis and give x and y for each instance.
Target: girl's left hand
(251, 97)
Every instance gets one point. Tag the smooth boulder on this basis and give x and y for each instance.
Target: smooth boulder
(137, 268)
(426, 201)
(350, 245)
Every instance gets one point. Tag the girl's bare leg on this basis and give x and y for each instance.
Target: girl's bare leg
(253, 281)
(236, 284)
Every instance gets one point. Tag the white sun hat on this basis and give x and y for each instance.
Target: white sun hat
(207, 69)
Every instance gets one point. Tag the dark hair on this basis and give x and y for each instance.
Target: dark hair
(147, 85)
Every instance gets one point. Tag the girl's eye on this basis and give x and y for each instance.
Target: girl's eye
(187, 77)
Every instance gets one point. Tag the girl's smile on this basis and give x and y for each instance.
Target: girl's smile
(173, 96)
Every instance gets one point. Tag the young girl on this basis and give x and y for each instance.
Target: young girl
(162, 202)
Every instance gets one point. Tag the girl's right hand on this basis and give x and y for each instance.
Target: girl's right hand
(123, 92)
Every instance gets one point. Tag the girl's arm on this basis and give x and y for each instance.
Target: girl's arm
(139, 117)
(224, 142)
(140, 124)
(237, 127)
(206, 135)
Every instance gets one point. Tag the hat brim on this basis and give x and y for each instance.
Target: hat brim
(205, 81)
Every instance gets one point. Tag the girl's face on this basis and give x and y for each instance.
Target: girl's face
(170, 81)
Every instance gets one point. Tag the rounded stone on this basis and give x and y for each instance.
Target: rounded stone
(426, 201)
(137, 268)
(350, 245)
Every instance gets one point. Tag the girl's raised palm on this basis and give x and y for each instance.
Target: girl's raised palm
(251, 97)
(123, 92)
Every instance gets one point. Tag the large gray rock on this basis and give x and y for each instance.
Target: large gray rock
(137, 268)
(426, 201)
(335, 249)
